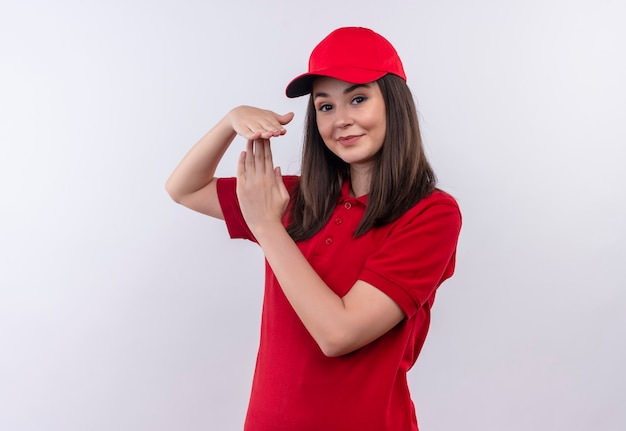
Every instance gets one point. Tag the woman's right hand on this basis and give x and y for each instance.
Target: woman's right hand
(255, 123)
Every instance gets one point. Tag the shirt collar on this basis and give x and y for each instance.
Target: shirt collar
(345, 195)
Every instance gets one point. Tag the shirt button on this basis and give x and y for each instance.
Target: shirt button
(338, 220)
(328, 241)
(347, 205)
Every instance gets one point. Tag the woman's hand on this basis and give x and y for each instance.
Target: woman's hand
(254, 123)
(262, 195)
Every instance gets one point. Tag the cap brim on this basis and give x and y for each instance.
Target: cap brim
(300, 85)
(303, 84)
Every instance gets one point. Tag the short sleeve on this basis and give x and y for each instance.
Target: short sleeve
(227, 196)
(418, 253)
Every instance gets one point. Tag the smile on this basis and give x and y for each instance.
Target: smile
(348, 140)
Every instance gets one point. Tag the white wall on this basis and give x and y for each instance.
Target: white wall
(120, 310)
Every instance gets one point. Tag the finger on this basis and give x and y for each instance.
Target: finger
(271, 129)
(254, 134)
(281, 185)
(269, 134)
(277, 133)
(268, 159)
(261, 129)
(286, 118)
(259, 155)
(249, 161)
(241, 169)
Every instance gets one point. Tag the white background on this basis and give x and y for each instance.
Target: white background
(120, 310)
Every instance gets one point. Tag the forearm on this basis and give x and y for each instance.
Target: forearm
(197, 168)
(321, 311)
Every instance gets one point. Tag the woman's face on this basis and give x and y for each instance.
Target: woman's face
(351, 119)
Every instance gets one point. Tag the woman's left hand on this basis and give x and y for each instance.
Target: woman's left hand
(262, 195)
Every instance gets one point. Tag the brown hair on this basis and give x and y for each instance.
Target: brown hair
(401, 176)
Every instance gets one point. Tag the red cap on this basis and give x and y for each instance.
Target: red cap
(353, 54)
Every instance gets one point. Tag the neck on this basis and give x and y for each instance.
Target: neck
(359, 181)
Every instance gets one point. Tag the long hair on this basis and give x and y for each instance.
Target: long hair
(401, 175)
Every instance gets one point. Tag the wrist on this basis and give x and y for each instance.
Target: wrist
(268, 230)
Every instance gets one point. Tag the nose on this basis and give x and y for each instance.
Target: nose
(343, 118)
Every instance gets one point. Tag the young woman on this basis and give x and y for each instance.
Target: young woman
(355, 246)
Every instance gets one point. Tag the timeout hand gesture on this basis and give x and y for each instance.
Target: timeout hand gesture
(262, 195)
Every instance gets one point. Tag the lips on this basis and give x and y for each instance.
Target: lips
(348, 140)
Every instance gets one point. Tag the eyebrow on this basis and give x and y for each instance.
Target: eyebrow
(346, 91)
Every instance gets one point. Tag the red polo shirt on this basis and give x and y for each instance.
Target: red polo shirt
(296, 387)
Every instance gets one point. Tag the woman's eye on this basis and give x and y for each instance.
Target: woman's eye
(325, 107)
(358, 99)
